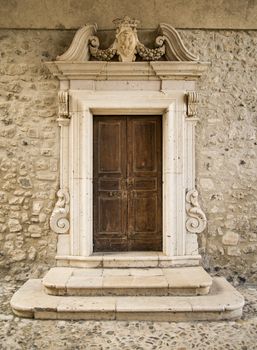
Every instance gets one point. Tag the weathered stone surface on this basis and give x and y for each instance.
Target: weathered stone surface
(25, 200)
(34, 230)
(127, 281)
(182, 14)
(14, 225)
(230, 238)
(223, 302)
(226, 150)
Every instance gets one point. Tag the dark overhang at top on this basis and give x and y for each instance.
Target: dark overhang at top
(66, 14)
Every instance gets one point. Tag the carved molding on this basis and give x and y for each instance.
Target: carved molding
(196, 221)
(126, 45)
(59, 221)
(150, 70)
(175, 47)
(192, 102)
(78, 50)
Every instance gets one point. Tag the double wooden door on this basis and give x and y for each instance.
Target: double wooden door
(127, 183)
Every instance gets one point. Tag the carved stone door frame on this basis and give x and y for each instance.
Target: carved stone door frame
(89, 88)
(178, 163)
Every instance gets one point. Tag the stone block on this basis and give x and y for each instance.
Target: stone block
(34, 230)
(233, 251)
(14, 225)
(230, 238)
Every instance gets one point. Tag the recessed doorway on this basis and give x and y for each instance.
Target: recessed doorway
(127, 183)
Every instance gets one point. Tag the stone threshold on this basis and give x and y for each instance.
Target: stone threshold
(127, 281)
(223, 302)
(127, 259)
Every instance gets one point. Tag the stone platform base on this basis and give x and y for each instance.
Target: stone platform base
(223, 302)
(128, 259)
(127, 281)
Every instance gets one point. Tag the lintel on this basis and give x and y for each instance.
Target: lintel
(92, 70)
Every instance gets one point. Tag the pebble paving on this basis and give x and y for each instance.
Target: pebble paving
(17, 333)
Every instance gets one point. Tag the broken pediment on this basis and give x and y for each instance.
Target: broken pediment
(126, 46)
(127, 54)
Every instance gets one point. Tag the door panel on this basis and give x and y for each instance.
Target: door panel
(110, 205)
(127, 183)
(110, 147)
(144, 214)
(145, 177)
(142, 136)
(110, 215)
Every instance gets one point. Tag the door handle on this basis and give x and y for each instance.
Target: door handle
(130, 182)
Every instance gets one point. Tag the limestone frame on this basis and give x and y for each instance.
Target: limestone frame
(165, 88)
(178, 162)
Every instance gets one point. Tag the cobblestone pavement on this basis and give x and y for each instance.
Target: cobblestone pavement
(17, 333)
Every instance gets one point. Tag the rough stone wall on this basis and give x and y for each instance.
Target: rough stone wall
(29, 151)
(226, 150)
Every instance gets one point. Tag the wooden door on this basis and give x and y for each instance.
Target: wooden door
(127, 183)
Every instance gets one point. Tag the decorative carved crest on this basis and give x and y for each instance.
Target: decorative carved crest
(126, 44)
(126, 39)
(192, 102)
(196, 221)
(59, 221)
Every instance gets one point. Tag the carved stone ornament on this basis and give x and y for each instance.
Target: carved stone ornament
(126, 45)
(196, 221)
(63, 116)
(192, 102)
(59, 221)
(63, 98)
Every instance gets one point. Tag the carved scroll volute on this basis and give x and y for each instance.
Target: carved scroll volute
(59, 220)
(63, 98)
(63, 116)
(78, 50)
(175, 48)
(196, 221)
(192, 103)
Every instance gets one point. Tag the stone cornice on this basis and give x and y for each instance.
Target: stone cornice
(154, 70)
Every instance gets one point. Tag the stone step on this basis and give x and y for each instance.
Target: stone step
(128, 259)
(223, 302)
(127, 281)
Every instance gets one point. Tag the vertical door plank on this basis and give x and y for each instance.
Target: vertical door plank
(110, 206)
(144, 183)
